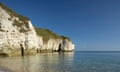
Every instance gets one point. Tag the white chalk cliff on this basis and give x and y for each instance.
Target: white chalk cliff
(17, 31)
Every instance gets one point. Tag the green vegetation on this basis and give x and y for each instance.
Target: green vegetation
(16, 23)
(12, 14)
(22, 30)
(20, 25)
(63, 37)
(47, 34)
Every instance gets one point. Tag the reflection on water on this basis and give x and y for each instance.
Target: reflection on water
(63, 62)
(46, 62)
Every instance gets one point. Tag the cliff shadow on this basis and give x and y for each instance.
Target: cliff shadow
(22, 50)
(60, 48)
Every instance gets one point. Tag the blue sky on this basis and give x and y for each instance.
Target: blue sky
(91, 24)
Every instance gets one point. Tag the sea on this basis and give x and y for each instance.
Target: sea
(78, 61)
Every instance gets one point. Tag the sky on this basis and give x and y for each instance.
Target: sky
(92, 25)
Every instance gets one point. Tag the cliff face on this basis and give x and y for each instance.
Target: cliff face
(17, 32)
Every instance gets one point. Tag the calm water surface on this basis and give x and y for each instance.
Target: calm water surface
(67, 62)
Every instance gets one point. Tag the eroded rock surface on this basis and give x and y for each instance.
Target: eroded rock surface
(17, 32)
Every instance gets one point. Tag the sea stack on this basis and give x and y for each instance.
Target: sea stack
(18, 36)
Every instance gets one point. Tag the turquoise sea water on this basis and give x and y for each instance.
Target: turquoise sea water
(63, 62)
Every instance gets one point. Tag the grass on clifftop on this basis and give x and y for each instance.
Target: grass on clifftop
(12, 13)
(47, 34)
